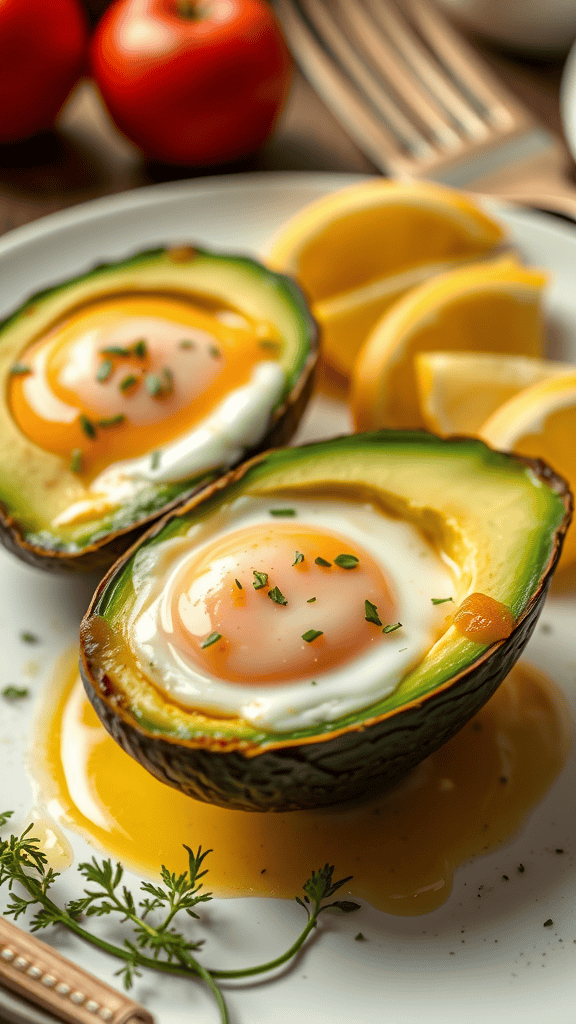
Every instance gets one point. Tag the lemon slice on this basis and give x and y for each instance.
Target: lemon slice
(540, 422)
(489, 307)
(458, 391)
(356, 251)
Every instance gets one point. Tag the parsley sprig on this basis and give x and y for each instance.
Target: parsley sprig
(154, 940)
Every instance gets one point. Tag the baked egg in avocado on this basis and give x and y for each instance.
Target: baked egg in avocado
(129, 387)
(324, 617)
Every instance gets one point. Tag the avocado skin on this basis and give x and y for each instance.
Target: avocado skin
(104, 551)
(331, 767)
(311, 775)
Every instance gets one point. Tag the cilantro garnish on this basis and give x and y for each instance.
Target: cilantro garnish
(310, 600)
(298, 557)
(212, 639)
(112, 421)
(277, 596)
(15, 692)
(371, 613)
(312, 634)
(104, 370)
(29, 638)
(87, 426)
(346, 561)
(128, 382)
(322, 561)
(140, 348)
(260, 579)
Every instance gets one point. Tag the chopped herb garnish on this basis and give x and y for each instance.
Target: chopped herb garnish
(402, 649)
(392, 627)
(29, 638)
(298, 557)
(76, 460)
(153, 385)
(312, 634)
(268, 343)
(128, 382)
(548, 923)
(260, 579)
(140, 348)
(15, 692)
(214, 352)
(322, 561)
(167, 380)
(441, 600)
(104, 370)
(310, 600)
(238, 584)
(360, 937)
(313, 683)
(20, 370)
(212, 639)
(155, 458)
(371, 613)
(346, 561)
(186, 343)
(277, 596)
(87, 426)
(115, 350)
(282, 512)
(112, 421)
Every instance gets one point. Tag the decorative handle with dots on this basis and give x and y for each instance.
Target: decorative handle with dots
(37, 973)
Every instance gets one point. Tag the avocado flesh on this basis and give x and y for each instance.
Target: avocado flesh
(36, 486)
(499, 518)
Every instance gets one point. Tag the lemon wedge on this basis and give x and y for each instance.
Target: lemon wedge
(540, 422)
(458, 391)
(489, 307)
(356, 251)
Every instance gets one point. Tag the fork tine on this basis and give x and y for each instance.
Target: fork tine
(471, 74)
(360, 27)
(391, 22)
(332, 83)
(322, 17)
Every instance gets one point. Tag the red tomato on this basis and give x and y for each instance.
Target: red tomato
(192, 81)
(43, 46)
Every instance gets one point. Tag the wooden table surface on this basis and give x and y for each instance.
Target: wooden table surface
(86, 157)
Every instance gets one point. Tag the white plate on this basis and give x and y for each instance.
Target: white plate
(404, 974)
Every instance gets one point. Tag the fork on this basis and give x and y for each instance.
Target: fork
(421, 103)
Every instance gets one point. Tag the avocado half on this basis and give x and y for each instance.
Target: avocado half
(499, 517)
(36, 486)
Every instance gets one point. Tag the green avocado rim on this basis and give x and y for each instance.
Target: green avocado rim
(442, 485)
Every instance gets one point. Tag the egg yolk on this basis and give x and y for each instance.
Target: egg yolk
(271, 604)
(125, 374)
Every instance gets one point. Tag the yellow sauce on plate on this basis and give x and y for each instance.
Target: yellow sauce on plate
(401, 847)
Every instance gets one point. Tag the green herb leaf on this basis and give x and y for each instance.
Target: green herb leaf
(76, 460)
(87, 426)
(312, 634)
(392, 627)
(140, 348)
(238, 584)
(371, 613)
(360, 937)
(29, 638)
(260, 579)
(277, 596)
(212, 639)
(441, 600)
(15, 692)
(214, 352)
(186, 343)
(322, 561)
(153, 384)
(115, 350)
(298, 557)
(20, 370)
(278, 512)
(104, 370)
(155, 459)
(269, 344)
(346, 561)
(310, 600)
(549, 923)
(313, 683)
(128, 382)
(112, 421)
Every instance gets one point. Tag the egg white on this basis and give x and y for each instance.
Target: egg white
(413, 567)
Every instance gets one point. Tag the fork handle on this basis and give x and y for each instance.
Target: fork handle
(541, 180)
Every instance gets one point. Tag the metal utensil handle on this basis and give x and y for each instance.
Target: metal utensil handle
(37, 973)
